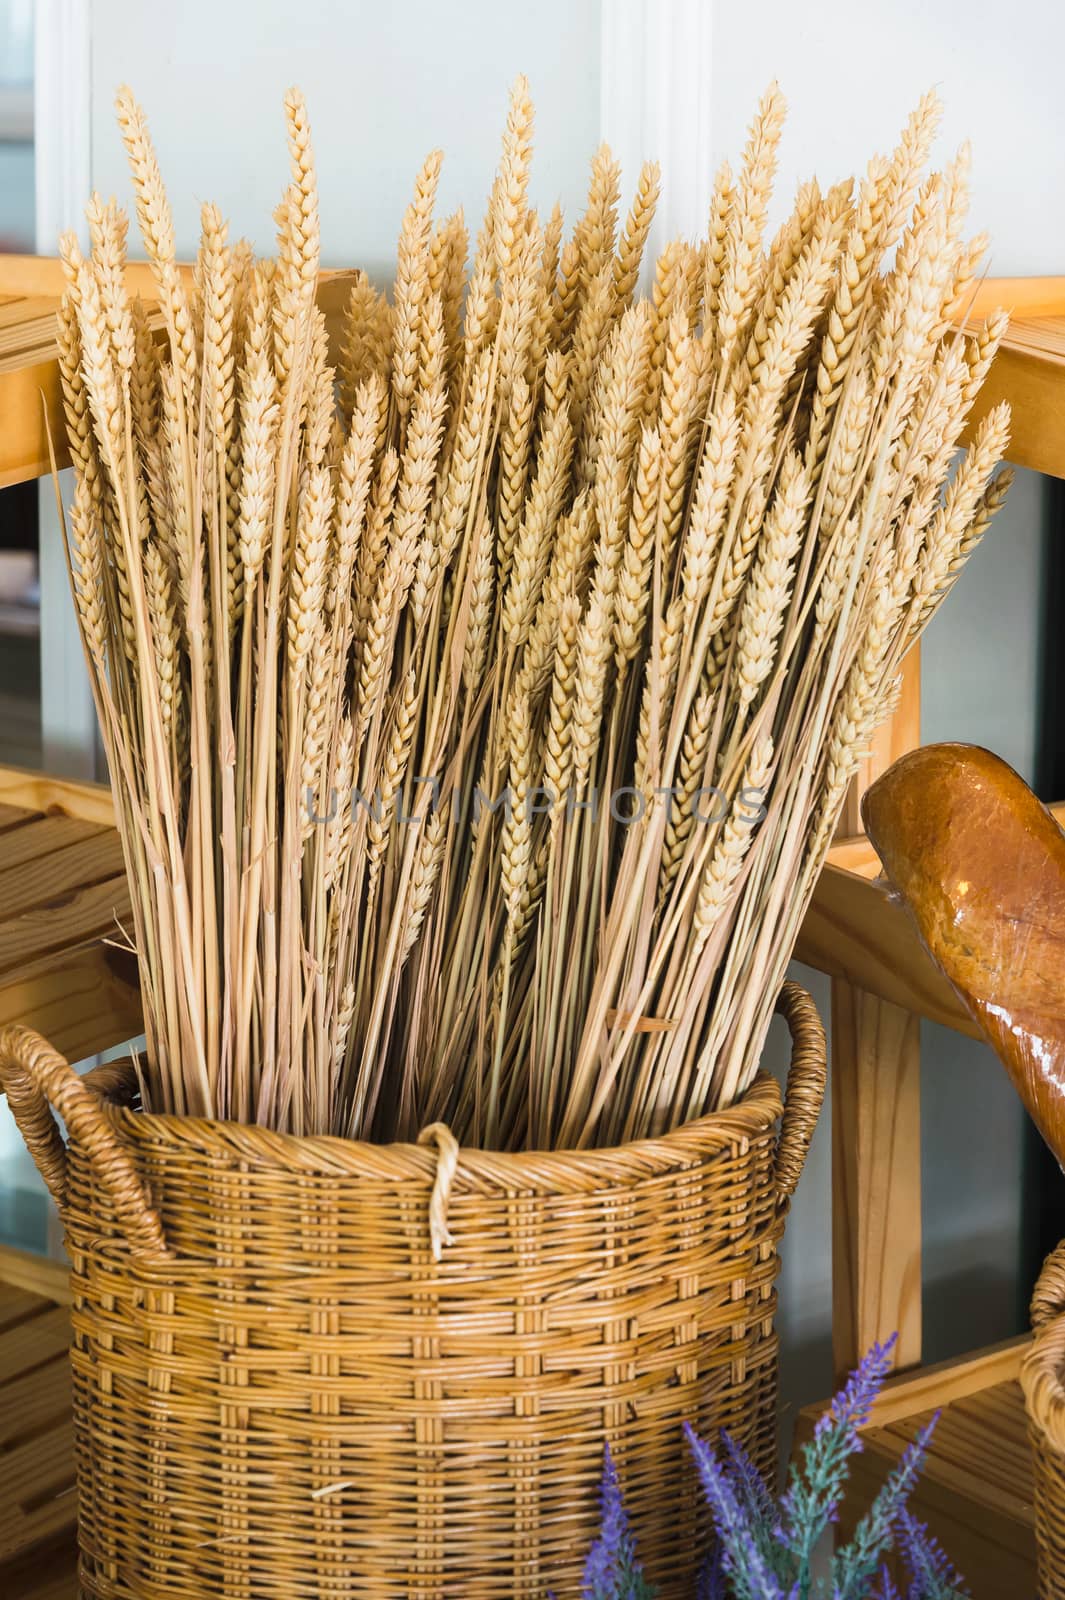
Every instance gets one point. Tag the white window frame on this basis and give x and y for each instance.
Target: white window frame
(62, 130)
(655, 89)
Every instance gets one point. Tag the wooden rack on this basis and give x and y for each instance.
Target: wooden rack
(63, 901)
(31, 401)
(63, 905)
(976, 1491)
(38, 1502)
(66, 979)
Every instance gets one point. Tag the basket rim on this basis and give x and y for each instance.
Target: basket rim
(542, 1171)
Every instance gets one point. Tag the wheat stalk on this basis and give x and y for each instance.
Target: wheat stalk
(481, 689)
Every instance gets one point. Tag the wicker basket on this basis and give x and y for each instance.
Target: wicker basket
(1043, 1381)
(280, 1392)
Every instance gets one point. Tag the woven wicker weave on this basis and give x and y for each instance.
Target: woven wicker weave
(279, 1392)
(1042, 1375)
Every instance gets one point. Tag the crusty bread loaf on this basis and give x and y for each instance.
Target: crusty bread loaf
(980, 863)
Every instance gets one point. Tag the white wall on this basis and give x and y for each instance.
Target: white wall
(384, 85)
(852, 72)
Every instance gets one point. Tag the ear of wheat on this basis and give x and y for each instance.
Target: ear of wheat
(479, 711)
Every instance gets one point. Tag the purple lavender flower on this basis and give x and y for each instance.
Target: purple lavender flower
(742, 1558)
(854, 1567)
(762, 1551)
(711, 1585)
(815, 1489)
(612, 1571)
(747, 1482)
(931, 1573)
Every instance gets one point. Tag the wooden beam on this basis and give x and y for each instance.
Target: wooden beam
(42, 276)
(37, 791)
(32, 408)
(31, 400)
(942, 1383)
(876, 1119)
(35, 1275)
(1034, 385)
(876, 1177)
(82, 1001)
(1021, 297)
(855, 930)
(1029, 369)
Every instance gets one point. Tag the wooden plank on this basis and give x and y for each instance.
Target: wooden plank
(14, 816)
(876, 1122)
(1029, 369)
(991, 1546)
(45, 880)
(49, 1573)
(876, 1177)
(32, 407)
(33, 1344)
(56, 974)
(29, 275)
(38, 791)
(31, 399)
(1021, 297)
(43, 275)
(39, 836)
(40, 932)
(934, 1386)
(17, 1305)
(856, 931)
(38, 1403)
(82, 1001)
(1034, 385)
(975, 1489)
(38, 1505)
(26, 1273)
(24, 308)
(33, 1476)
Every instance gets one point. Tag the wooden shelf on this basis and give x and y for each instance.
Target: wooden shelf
(1029, 370)
(63, 897)
(57, 972)
(38, 1502)
(31, 401)
(975, 1492)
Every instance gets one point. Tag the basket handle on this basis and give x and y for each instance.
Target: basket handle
(1041, 1368)
(805, 1091)
(38, 1082)
(1048, 1296)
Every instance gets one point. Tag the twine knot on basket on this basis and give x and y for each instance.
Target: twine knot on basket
(447, 1148)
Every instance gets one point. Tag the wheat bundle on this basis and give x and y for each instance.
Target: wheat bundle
(480, 711)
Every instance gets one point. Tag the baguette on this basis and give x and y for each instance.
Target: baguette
(980, 864)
